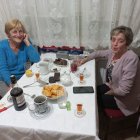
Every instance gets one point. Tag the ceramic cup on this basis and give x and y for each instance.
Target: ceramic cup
(41, 104)
(44, 67)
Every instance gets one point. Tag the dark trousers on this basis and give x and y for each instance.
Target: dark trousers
(105, 101)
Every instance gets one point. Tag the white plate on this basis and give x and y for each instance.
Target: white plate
(79, 115)
(9, 98)
(42, 115)
(57, 97)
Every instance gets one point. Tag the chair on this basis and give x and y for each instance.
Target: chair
(115, 121)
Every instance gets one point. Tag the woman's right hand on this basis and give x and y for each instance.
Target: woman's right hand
(82, 61)
(78, 62)
(26, 39)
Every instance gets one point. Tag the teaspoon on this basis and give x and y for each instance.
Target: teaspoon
(32, 96)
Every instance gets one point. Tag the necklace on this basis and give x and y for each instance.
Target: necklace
(13, 46)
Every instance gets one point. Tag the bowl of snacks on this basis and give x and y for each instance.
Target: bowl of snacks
(53, 91)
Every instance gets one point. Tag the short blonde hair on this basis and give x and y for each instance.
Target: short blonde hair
(15, 23)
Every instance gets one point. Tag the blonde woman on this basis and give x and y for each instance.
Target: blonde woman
(14, 53)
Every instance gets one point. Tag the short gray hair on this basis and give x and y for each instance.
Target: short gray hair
(124, 30)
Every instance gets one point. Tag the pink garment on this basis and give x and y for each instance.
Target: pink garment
(125, 79)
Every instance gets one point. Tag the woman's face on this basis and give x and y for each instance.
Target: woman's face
(118, 43)
(16, 35)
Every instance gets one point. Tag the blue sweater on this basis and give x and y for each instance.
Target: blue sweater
(12, 63)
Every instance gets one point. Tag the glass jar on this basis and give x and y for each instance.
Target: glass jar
(18, 98)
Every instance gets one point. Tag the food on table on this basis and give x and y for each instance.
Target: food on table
(53, 91)
(29, 73)
(60, 61)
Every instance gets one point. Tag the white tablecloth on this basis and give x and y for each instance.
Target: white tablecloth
(58, 124)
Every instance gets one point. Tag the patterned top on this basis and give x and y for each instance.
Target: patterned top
(109, 71)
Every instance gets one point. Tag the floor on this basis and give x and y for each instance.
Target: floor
(133, 138)
(124, 135)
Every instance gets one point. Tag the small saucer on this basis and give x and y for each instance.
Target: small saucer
(42, 115)
(2, 105)
(83, 82)
(70, 83)
(9, 98)
(81, 114)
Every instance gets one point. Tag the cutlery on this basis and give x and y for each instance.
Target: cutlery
(5, 108)
(32, 96)
(29, 84)
(42, 82)
(39, 81)
(83, 70)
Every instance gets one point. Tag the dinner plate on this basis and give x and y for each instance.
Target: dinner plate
(60, 64)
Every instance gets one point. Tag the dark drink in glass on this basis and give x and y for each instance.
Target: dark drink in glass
(73, 67)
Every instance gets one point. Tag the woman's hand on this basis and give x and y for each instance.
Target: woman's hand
(110, 92)
(26, 39)
(78, 62)
(81, 61)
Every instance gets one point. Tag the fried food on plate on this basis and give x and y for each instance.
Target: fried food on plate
(53, 91)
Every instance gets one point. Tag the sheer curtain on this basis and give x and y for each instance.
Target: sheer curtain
(72, 22)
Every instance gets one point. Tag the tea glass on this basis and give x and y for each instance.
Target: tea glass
(37, 76)
(73, 66)
(79, 108)
(81, 77)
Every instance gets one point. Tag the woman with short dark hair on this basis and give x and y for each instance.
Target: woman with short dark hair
(121, 88)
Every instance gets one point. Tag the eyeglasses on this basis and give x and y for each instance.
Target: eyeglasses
(15, 32)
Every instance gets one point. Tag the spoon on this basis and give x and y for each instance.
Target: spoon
(29, 84)
(32, 96)
(83, 70)
(39, 81)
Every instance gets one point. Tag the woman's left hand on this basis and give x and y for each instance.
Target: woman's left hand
(110, 92)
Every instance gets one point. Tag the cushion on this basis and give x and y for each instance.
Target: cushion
(113, 113)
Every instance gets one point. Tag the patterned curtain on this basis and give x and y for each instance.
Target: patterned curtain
(72, 22)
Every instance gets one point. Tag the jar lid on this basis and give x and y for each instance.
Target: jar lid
(16, 91)
(13, 79)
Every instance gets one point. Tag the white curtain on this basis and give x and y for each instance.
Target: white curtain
(72, 22)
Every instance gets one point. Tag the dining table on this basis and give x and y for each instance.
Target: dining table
(57, 123)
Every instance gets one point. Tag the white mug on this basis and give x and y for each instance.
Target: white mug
(44, 67)
(41, 104)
